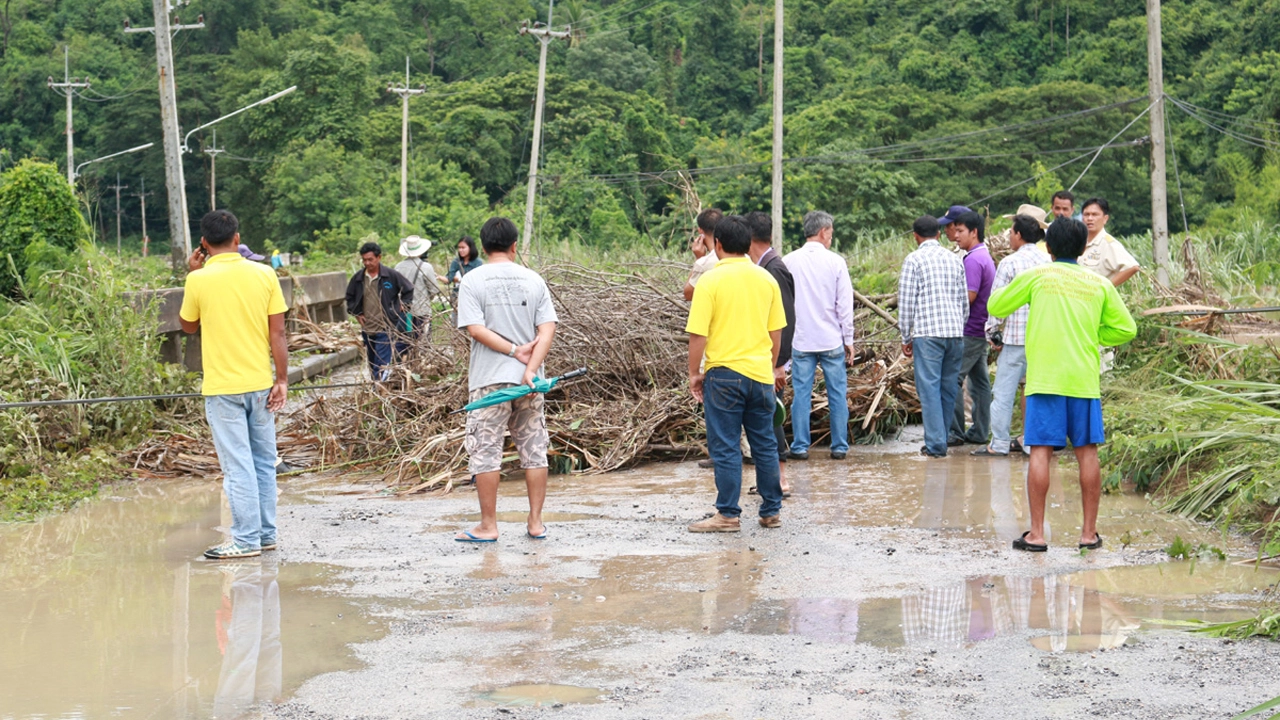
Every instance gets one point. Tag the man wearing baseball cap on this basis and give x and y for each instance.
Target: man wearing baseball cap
(947, 221)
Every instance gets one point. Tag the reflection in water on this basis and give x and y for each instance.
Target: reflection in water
(248, 628)
(107, 613)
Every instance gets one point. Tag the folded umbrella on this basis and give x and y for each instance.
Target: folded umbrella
(498, 397)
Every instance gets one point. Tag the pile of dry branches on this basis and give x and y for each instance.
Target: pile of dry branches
(626, 325)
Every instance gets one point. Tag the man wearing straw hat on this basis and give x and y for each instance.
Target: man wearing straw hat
(1011, 366)
(421, 276)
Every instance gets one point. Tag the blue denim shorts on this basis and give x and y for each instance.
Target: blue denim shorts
(1055, 419)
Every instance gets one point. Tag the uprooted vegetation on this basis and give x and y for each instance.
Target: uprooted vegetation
(625, 324)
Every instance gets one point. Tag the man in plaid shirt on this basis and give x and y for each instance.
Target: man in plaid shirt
(1011, 367)
(933, 305)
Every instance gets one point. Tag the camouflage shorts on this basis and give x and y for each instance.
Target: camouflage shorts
(486, 427)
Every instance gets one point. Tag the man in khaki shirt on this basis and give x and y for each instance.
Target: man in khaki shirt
(1104, 254)
(703, 246)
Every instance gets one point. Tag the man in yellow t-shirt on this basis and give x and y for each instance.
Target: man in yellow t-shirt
(736, 320)
(238, 308)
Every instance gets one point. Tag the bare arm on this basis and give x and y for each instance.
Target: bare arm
(280, 355)
(697, 348)
(973, 296)
(1122, 276)
(688, 291)
(775, 337)
(538, 353)
(189, 327)
(491, 339)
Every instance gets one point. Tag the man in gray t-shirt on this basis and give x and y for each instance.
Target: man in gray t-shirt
(507, 310)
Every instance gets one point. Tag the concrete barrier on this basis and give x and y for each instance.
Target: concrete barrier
(322, 296)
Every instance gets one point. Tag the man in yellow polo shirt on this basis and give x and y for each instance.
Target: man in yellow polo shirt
(239, 310)
(736, 320)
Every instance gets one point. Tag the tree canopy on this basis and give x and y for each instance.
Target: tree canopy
(894, 108)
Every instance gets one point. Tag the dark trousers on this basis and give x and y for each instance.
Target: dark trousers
(733, 403)
(379, 348)
(974, 369)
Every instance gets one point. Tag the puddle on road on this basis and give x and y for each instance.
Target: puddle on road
(879, 487)
(542, 695)
(108, 613)
(718, 593)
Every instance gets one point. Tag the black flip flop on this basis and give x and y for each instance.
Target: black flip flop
(1022, 544)
(753, 490)
(1095, 545)
(986, 452)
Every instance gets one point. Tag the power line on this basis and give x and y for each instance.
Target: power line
(1246, 139)
(1229, 119)
(629, 28)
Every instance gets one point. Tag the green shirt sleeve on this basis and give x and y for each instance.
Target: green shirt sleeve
(1117, 326)
(1006, 300)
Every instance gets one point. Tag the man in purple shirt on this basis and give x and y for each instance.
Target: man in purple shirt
(980, 275)
(824, 334)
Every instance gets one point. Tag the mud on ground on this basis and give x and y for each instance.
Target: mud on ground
(890, 591)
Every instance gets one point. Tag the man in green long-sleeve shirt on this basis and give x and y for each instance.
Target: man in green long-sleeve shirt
(1073, 312)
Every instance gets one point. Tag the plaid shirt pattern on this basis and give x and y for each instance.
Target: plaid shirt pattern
(933, 297)
(1015, 326)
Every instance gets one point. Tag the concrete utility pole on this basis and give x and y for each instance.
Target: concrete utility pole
(405, 92)
(545, 35)
(68, 87)
(776, 202)
(213, 151)
(175, 182)
(1155, 90)
(142, 194)
(117, 187)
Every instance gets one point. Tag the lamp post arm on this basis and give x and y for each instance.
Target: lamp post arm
(108, 157)
(263, 101)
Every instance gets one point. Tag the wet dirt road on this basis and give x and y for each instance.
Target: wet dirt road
(889, 592)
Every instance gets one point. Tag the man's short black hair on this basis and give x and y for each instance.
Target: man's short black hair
(761, 225)
(709, 218)
(1028, 228)
(219, 227)
(733, 234)
(1102, 204)
(1064, 195)
(972, 221)
(926, 226)
(371, 247)
(498, 235)
(1066, 238)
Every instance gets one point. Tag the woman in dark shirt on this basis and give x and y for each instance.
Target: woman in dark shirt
(464, 262)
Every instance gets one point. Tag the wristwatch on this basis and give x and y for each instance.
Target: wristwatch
(512, 353)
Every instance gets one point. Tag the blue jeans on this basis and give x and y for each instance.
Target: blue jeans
(936, 363)
(380, 350)
(1011, 367)
(974, 369)
(244, 434)
(733, 403)
(804, 368)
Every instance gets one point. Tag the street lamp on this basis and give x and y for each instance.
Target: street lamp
(263, 101)
(76, 172)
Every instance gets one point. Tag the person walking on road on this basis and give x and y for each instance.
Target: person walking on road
(1073, 311)
(1008, 336)
(980, 273)
(933, 305)
(238, 308)
(736, 321)
(415, 268)
(824, 334)
(506, 309)
(380, 299)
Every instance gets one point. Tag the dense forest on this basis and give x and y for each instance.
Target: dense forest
(893, 108)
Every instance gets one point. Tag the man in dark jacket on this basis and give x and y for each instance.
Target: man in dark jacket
(763, 254)
(384, 318)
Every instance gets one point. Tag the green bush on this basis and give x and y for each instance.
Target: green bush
(38, 217)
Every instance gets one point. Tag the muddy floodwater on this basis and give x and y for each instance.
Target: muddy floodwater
(890, 591)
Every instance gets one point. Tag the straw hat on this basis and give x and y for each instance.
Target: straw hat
(1031, 211)
(414, 246)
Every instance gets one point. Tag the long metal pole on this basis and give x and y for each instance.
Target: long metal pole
(404, 149)
(175, 182)
(776, 202)
(213, 174)
(1155, 89)
(537, 144)
(71, 144)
